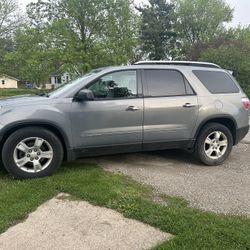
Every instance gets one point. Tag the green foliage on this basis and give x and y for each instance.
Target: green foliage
(33, 58)
(73, 36)
(231, 51)
(6, 45)
(158, 39)
(10, 20)
(201, 20)
(192, 229)
(10, 17)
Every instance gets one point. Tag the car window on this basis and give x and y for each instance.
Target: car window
(165, 83)
(122, 84)
(189, 90)
(216, 82)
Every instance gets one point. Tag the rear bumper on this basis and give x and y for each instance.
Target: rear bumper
(240, 134)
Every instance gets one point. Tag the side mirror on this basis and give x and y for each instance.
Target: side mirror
(84, 95)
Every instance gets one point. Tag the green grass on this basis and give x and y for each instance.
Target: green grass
(193, 229)
(14, 92)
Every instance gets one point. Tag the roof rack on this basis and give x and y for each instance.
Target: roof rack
(183, 63)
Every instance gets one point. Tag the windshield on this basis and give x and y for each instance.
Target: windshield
(65, 87)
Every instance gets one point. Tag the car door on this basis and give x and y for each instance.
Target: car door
(114, 117)
(170, 106)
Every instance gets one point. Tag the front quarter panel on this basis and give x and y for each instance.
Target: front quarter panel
(54, 113)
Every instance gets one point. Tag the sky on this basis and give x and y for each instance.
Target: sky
(241, 7)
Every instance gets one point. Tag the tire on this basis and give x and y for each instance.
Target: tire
(214, 144)
(32, 152)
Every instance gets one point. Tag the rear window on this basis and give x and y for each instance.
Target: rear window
(217, 82)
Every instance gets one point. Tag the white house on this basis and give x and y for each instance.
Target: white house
(8, 82)
(56, 80)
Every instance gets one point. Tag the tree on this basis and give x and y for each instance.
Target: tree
(200, 20)
(73, 36)
(33, 59)
(231, 51)
(10, 20)
(156, 31)
(6, 45)
(90, 33)
(10, 17)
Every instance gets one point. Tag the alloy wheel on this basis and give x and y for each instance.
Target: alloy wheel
(33, 154)
(215, 145)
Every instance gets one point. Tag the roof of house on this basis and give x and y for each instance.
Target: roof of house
(10, 77)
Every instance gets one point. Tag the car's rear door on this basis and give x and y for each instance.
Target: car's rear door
(170, 107)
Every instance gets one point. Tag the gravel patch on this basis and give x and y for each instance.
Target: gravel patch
(62, 224)
(221, 189)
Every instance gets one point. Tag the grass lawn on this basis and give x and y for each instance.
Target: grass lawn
(14, 92)
(193, 229)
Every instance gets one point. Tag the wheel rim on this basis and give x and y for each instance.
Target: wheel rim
(33, 154)
(215, 145)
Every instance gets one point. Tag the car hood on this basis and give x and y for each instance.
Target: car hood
(22, 100)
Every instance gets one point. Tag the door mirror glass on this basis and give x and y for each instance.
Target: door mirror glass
(84, 95)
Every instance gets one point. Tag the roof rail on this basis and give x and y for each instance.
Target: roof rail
(183, 63)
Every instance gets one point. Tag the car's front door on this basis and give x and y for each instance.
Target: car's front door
(114, 117)
(170, 107)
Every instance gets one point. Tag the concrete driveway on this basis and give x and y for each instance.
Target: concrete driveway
(62, 223)
(220, 189)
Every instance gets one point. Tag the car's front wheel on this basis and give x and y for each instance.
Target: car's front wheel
(214, 144)
(32, 152)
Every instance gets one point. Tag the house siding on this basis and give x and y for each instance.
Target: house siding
(7, 83)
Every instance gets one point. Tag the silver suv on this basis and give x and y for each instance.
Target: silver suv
(151, 105)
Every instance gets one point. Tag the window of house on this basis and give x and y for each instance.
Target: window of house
(122, 84)
(3, 82)
(58, 79)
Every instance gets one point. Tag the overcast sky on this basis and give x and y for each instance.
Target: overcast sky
(241, 13)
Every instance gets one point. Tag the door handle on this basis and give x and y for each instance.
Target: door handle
(132, 108)
(188, 105)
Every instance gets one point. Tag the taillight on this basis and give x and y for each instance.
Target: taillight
(245, 102)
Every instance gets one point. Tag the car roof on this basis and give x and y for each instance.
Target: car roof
(155, 66)
(179, 63)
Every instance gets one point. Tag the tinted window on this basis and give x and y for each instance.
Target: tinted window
(121, 84)
(189, 90)
(216, 82)
(165, 83)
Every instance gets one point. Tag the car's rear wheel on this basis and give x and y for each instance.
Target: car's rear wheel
(214, 144)
(32, 152)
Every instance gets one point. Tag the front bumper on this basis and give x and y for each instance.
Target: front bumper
(240, 134)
